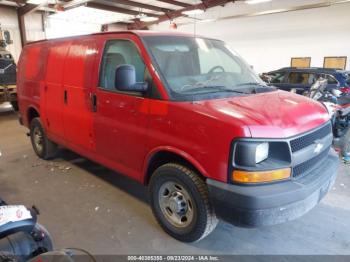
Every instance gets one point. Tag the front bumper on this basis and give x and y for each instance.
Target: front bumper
(269, 204)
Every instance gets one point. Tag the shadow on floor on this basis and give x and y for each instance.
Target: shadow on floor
(118, 180)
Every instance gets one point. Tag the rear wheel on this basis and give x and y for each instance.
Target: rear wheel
(180, 202)
(43, 147)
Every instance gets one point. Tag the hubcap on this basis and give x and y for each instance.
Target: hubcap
(38, 139)
(176, 204)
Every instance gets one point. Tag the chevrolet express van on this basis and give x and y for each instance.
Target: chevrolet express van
(185, 116)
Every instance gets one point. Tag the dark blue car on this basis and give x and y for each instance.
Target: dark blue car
(301, 79)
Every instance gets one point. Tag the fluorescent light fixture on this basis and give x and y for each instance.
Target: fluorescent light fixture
(209, 20)
(193, 12)
(253, 2)
(37, 2)
(148, 19)
(88, 15)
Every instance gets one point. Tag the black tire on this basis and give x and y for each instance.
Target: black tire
(203, 220)
(345, 143)
(14, 105)
(46, 149)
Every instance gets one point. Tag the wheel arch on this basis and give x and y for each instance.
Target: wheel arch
(32, 112)
(163, 155)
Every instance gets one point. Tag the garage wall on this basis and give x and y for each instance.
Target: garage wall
(34, 27)
(9, 21)
(268, 42)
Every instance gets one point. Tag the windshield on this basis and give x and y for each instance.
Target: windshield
(195, 68)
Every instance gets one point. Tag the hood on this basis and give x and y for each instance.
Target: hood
(276, 114)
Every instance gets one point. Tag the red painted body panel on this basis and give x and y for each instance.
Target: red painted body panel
(126, 131)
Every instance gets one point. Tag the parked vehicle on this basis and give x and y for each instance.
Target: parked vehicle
(339, 110)
(300, 80)
(7, 73)
(185, 116)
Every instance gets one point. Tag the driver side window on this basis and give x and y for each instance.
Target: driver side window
(119, 52)
(221, 59)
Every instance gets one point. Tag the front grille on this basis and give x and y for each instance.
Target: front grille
(303, 168)
(307, 140)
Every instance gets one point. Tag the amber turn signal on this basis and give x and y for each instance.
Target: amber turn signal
(260, 176)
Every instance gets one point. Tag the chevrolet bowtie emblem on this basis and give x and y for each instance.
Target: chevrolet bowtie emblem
(318, 147)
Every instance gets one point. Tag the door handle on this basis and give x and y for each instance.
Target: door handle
(65, 97)
(93, 98)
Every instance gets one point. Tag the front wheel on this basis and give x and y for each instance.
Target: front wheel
(180, 202)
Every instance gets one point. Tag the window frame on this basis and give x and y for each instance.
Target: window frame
(114, 90)
(284, 76)
(334, 78)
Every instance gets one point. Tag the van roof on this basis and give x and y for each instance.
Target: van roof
(309, 69)
(134, 32)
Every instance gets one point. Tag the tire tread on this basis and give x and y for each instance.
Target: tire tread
(211, 219)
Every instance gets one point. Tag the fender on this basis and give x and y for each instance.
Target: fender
(29, 107)
(176, 151)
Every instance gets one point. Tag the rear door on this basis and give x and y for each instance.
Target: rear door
(77, 84)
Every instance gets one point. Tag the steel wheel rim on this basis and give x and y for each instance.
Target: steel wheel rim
(38, 139)
(176, 204)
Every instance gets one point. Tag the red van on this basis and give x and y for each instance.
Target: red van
(184, 115)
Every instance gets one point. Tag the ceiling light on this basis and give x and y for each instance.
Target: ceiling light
(193, 12)
(148, 19)
(37, 2)
(253, 2)
(88, 15)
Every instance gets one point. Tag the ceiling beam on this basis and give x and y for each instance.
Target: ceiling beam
(116, 9)
(28, 8)
(205, 4)
(22, 28)
(141, 5)
(18, 2)
(21, 13)
(174, 2)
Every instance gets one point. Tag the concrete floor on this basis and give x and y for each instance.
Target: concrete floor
(88, 206)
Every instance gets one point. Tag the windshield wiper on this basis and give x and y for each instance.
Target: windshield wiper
(251, 84)
(255, 85)
(220, 88)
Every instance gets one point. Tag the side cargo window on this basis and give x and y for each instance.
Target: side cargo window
(119, 52)
(278, 78)
(299, 78)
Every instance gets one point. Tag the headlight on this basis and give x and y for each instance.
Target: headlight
(251, 153)
(257, 161)
(262, 152)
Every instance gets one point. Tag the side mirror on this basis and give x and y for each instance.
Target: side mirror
(125, 79)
